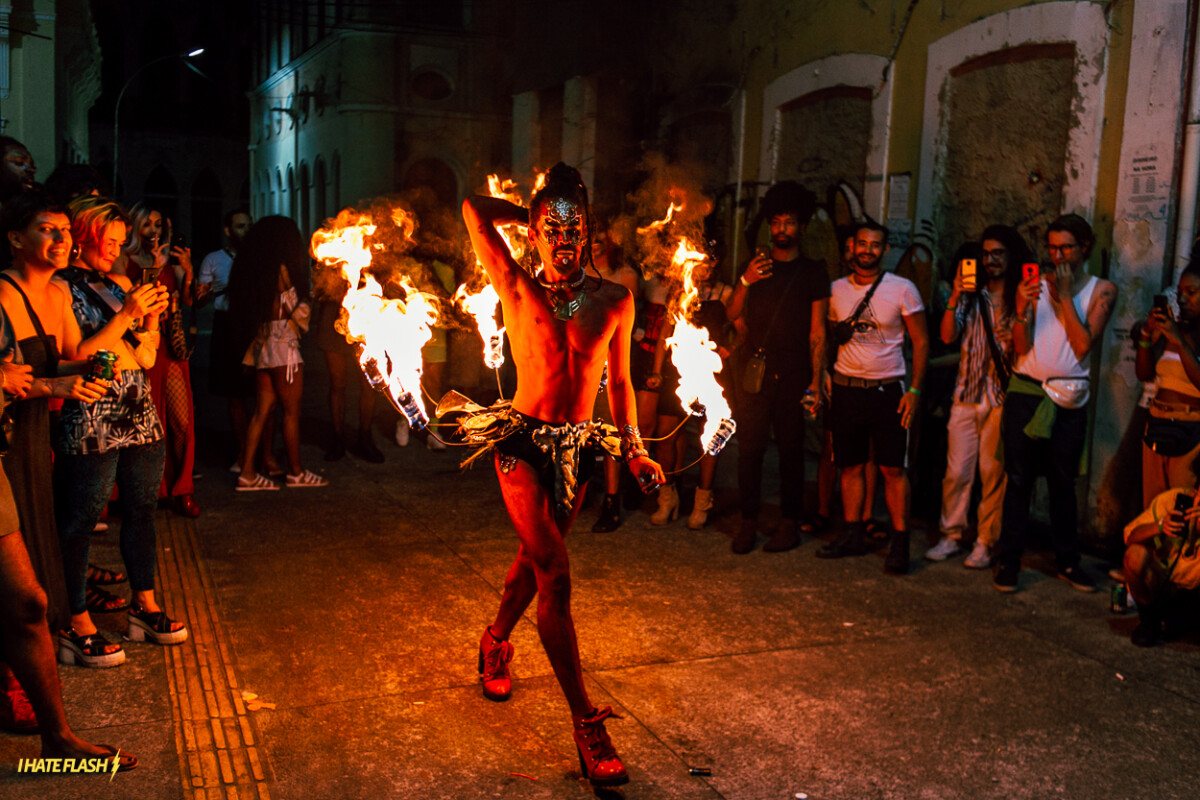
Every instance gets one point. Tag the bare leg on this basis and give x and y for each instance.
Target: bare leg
(30, 650)
(708, 471)
(896, 494)
(265, 404)
(612, 475)
(366, 405)
(852, 492)
(543, 555)
(289, 393)
(336, 362)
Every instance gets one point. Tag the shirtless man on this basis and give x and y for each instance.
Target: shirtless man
(562, 326)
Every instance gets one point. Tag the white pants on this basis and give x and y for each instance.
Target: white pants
(974, 436)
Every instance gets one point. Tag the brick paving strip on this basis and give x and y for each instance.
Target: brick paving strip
(215, 738)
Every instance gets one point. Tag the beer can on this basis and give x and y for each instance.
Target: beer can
(1119, 597)
(103, 366)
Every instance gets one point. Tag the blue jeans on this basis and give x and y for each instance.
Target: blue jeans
(1023, 460)
(83, 485)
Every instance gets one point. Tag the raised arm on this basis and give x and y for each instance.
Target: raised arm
(483, 215)
(1082, 334)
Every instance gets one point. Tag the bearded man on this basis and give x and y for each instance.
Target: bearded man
(563, 326)
(870, 407)
(782, 300)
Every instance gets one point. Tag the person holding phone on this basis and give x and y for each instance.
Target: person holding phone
(1162, 565)
(780, 302)
(1165, 353)
(1059, 319)
(983, 369)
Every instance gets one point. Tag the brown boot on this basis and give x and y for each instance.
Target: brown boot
(744, 541)
(700, 509)
(784, 538)
(668, 505)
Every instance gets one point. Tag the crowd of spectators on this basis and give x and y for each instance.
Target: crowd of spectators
(94, 333)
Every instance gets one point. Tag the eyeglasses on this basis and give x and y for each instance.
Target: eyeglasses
(998, 253)
(1066, 248)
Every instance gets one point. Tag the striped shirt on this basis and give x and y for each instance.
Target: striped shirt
(977, 380)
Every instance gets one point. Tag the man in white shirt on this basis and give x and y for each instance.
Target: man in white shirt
(871, 312)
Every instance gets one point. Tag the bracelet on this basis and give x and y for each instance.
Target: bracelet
(1022, 320)
(1147, 343)
(744, 282)
(631, 444)
(914, 390)
(1160, 526)
(951, 308)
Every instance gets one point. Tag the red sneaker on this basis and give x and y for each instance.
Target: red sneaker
(16, 714)
(597, 757)
(494, 656)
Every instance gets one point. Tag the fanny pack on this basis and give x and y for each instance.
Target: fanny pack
(1171, 438)
(1068, 392)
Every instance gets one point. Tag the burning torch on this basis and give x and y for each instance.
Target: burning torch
(402, 400)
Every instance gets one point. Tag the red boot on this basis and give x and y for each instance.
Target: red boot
(597, 757)
(494, 656)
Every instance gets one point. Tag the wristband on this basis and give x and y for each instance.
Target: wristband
(951, 308)
(1147, 343)
(1160, 526)
(1022, 320)
(914, 390)
(744, 282)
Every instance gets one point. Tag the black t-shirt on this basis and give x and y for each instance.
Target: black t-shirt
(792, 289)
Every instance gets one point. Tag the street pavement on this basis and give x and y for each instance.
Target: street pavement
(333, 656)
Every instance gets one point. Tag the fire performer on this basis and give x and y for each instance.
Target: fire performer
(562, 326)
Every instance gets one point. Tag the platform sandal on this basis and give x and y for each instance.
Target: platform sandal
(154, 626)
(101, 601)
(597, 757)
(74, 648)
(306, 480)
(104, 577)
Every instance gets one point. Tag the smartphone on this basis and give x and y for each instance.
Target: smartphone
(968, 274)
(1183, 501)
(1032, 270)
(1160, 302)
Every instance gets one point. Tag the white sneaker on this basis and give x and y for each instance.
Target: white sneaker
(402, 432)
(944, 549)
(980, 558)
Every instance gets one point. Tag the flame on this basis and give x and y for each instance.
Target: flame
(481, 305)
(693, 352)
(676, 205)
(390, 331)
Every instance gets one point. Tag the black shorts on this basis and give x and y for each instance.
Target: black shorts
(641, 367)
(859, 417)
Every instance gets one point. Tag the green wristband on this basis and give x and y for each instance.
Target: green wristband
(914, 390)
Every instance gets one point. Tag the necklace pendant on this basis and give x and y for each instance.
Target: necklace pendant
(565, 309)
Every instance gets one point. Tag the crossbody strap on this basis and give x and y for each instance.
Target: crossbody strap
(1002, 370)
(862, 304)
(104, 300)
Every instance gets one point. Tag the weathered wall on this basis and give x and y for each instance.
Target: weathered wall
(824, 139)
(1008, 118)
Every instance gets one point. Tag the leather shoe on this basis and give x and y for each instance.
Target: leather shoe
(746, 536)
(598, 758)
(185, 506)
(848, 543)
(494, 656)
(784, 538)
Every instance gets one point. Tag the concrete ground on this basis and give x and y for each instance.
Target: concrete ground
(355, 611)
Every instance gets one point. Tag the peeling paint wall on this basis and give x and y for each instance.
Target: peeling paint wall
(1007, 125)
(824, 138)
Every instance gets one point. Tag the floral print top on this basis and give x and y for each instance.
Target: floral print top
(125, 416)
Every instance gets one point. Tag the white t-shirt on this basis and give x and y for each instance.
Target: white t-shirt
(214, 269)
(876, 351)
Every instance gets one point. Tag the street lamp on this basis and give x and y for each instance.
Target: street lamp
(121, 96)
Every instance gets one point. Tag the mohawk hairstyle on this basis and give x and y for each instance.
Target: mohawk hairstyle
(564, 181)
